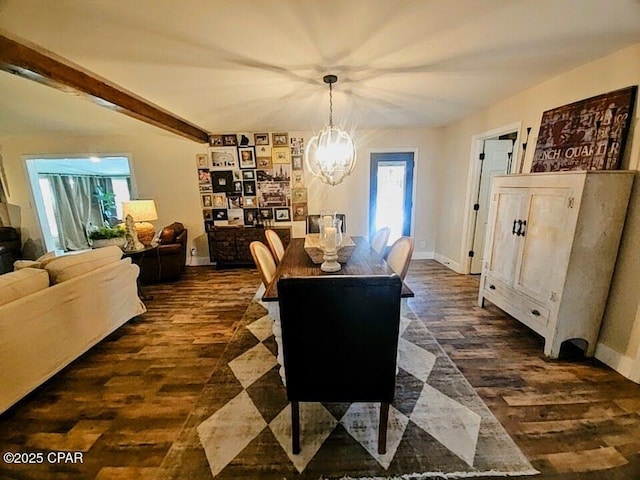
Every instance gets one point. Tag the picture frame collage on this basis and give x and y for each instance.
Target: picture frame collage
(252, 179)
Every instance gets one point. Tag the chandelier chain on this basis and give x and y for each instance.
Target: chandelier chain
(330, 105)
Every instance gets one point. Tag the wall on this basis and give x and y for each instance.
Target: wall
(164, 168)
(620, 336)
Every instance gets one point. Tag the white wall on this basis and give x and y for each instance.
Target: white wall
(620, 337)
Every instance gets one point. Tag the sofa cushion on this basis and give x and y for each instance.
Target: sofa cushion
(70, 266)
(15, 285)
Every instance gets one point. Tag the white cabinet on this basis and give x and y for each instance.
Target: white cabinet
(552, 241)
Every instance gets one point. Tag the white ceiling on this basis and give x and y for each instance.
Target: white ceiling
(254, 65)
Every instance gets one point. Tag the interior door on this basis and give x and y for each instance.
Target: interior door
(496, 161)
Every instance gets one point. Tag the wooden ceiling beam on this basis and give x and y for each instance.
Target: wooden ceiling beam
(44, 67)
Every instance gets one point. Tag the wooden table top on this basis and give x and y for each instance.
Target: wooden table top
(296, 263)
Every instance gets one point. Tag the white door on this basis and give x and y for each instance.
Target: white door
(496, 162)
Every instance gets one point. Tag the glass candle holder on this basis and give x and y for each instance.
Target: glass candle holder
(330, 242)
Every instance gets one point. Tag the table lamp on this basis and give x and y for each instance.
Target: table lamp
(142, 212)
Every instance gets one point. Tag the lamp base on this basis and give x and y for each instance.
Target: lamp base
(330, 263)
(146, 232)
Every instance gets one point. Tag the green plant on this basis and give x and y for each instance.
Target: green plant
(104, 233)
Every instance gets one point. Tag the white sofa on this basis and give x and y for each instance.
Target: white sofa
(51, 315)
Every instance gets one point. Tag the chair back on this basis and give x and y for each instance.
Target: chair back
(264, 261)
(340, 337)
(400, 255)
(313, 222)
(380, 239)
(275, 245)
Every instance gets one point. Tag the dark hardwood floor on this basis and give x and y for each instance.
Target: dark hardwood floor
(124, 402)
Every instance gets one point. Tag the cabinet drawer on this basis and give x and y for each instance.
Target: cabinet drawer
(529, 312)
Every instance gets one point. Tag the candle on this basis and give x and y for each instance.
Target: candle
(326, 221)
(330, 239)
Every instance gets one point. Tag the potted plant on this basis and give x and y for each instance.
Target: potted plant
(107, 236)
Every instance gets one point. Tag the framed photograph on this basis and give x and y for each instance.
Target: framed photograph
(297, 178)
(263, 151)
(248, 174)
(249, 188)
(282, 214)
(299, 195)
(220, 214)
(237, 186)
(202, 160)
(266, 213)
(207, 214)
(280, 139)
(274, 194)
(204, 176)
(261, 138)
(296, 162)
(206, 200)
(216, 140)
(236, 217)
(250, 216)
(223, 158)
(219, 200)
(235, 202)
(297, 145)
(249, 202)
(280, 155)
(247, 157)
(265, 163)
(230, 140)
(586, 135)
(299, 211)
(208, 225)
(222, 181)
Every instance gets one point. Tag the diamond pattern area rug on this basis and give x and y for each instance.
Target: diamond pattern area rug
(438, 426)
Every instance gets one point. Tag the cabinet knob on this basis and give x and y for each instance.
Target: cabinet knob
(535, 312)
(492, 287)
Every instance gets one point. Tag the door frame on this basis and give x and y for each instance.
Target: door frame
(473, 184)
(371, 151)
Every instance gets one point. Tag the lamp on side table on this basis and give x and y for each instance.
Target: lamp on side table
(142, 212)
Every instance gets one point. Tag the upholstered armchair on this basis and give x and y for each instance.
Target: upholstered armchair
(9, 248)
(169, 261)
(340, 342)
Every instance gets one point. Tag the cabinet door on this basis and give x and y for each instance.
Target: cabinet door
(507, 207)
(546, 244)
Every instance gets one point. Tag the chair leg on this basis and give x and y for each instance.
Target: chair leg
(382, 428)
(295, 427)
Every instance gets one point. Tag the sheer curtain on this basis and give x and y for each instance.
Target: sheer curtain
(76, 206)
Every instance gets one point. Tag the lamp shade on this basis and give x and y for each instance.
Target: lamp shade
(140, 210)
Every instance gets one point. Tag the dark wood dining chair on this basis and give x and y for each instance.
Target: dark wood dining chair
(313, 222)
(340, 342)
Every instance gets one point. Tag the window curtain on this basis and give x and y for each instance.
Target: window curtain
(76, 207)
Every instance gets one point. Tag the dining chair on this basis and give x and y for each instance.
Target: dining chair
(264, 261)
(400, 255)
(313, 222)
(380, 239)
(345, 350)
(275, 245)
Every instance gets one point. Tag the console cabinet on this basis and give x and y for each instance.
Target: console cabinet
(551, 247)
(229, 246)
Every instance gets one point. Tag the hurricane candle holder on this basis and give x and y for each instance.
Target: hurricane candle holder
(330, 242)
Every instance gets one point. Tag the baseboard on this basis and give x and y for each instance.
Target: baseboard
(622, 364)
(423, 256)
(447, 262)
(199, 261)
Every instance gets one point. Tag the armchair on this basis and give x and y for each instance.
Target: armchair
(170, 260)
(9, 248)
(345, 349)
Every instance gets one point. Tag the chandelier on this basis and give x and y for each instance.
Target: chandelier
(331, 154)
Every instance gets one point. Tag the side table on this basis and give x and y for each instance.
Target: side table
(136, 257)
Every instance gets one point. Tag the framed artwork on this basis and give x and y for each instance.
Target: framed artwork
(223, 158)
(237, 186)
(282, 214)
(249, 188)
(280, 139)
(299, 211)
(206, 200)
(244, 139)
(297, 145)
(249, 202)
(281, 173)
(215, 140)
(266, 213)
(296, 162)
(235, 201)
(219, 200)
(590, 134)
(236, 217)
(274, 194)
(263, 150)
(230, 140)
(280, 155)
(298, 179)
(250, 216)
(222, 181)
(207, 214)
(208, 225)
(299, 195)
(265, 163)
(248, 174)
(204, 176)
(220, 214)
(247, 157)
(261, 138)
(202, 160)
